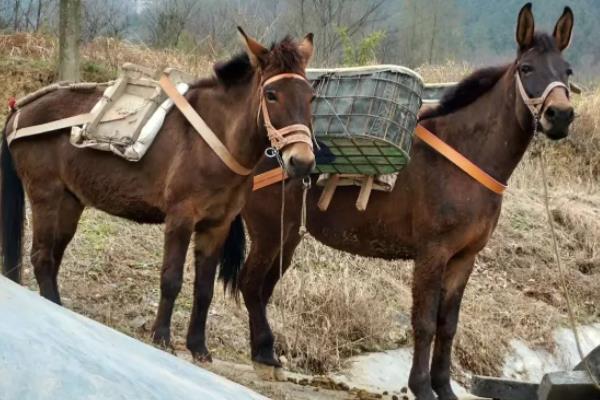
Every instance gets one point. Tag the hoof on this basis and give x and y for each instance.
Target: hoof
(269, 373)
(203, 358)
(444, 391)
(162, 338)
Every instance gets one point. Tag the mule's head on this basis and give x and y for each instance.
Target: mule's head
(544, 74)
(286, 97)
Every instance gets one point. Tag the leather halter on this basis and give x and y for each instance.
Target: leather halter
(282, 137)
(536, 104)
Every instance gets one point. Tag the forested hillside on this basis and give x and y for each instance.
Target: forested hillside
(409, 32)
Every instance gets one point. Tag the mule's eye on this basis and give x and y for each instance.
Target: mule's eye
(569, 71)
(271, 96)
(526, 69)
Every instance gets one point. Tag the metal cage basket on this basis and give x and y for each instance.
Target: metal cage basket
(364, 118)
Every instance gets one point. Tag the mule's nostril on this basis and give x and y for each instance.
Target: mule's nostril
(298, 166)
(551, 113)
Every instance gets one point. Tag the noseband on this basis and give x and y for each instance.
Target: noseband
(536, 104)
(282, 137)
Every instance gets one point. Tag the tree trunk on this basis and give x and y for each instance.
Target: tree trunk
(433, 33)
(16, 20)
(69, 39)
(39, 15)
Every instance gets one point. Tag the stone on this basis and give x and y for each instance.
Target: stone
(568, 385)
(593, 361)
(503, 389)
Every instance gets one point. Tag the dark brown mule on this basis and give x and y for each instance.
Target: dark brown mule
(180, 181)
(436, 215)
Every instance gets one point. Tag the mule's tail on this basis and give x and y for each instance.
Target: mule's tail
(12, 214)
(234, 254)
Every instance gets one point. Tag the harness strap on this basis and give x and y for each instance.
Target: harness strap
(200, 126)
(535, 104)
(268, 178)
(52, 126)
(459, 160)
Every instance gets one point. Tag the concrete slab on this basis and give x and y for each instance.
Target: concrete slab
(568, 385)
(503, 389)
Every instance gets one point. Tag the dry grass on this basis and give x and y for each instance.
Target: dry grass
(332, 305)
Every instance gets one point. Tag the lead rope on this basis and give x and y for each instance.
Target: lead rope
(306, 184)
(272, 152)
(561, 272)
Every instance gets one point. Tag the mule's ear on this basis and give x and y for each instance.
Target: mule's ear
(525, 27)
(563, 29)
(307, 48)
(256, 51)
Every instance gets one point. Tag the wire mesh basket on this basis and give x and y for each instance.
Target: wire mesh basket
(364, 118)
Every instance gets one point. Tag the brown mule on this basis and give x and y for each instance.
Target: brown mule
(436, 215)
(180, 181)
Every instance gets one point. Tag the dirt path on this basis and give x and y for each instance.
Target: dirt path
(307, 388)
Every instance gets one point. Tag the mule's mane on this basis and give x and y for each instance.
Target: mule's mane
(481, 81)
(284, 56)
(466, 91)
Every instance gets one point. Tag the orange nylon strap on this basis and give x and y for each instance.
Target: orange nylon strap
(459, 160)
(200, 126)
(268, 178)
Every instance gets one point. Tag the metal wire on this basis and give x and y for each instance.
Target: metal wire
(366, 119)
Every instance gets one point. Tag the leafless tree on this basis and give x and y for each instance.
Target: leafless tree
(109, 18)
(325, 18)
(166, 20)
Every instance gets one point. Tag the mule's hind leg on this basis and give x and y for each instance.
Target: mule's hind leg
(427, 281)
(454, 282)
(207, 248)
(178, 231)
(55, 217)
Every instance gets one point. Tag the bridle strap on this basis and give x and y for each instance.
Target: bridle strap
(282, 137)
(285, 75)
(535, 104)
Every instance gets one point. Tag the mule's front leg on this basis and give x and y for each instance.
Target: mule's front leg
(178, 232)
(454, 282)
(427, 279)
(207, 249)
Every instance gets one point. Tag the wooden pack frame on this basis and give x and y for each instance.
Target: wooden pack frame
(127, 118)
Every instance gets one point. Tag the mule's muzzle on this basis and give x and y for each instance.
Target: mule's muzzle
(556, 121)
(300, 166)
(298, 159)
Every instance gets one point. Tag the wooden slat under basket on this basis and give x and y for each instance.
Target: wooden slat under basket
(364, 118)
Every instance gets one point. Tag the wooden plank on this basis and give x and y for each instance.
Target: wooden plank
(328, 192)
(365, 193)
